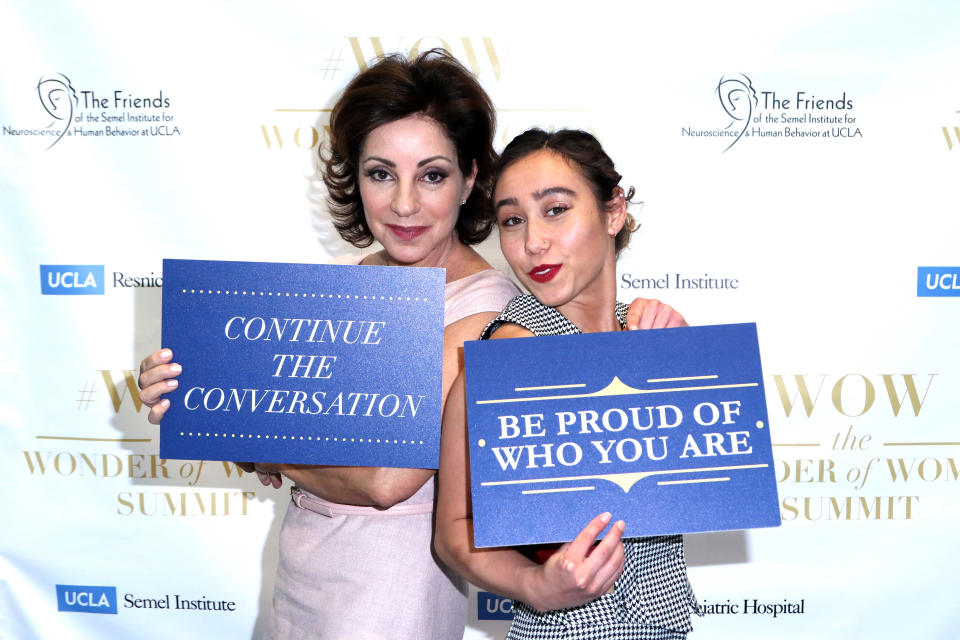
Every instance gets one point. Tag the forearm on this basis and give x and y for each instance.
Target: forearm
(365, 486)
(503, 571)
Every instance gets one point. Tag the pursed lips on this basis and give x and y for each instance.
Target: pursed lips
(544, 272)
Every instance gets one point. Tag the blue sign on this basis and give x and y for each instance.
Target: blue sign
(304, 364)
(938, 282)
(86, 599)
(490, 606)
(665, 429)
(71, 279)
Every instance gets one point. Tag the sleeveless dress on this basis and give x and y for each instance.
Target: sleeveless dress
(652, 599)
(359, 573)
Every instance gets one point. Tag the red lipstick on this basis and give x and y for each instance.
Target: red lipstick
(543, 272)
(406, 233)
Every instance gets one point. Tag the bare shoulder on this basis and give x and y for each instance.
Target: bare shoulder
(470, 327)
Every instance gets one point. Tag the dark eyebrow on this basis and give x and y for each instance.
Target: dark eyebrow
(543, 193)
(537, 195)
(432, 158)
(390, 163)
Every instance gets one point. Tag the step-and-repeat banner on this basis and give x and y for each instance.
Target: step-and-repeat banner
(798, 169)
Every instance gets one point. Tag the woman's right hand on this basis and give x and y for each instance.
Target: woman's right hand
(157, 377)
(580, 572)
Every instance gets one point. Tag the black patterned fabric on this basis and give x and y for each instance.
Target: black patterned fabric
(652, 599)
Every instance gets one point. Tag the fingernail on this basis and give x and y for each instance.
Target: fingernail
(605, 517)
(166, 353)
(175, 368)
(164, 403)
(173, 383)
(621, 525)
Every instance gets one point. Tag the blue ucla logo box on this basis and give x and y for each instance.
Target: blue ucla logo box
(938, 282)
(490, 606)
(71, 279)
(304, 363)
(665, 429)
(86, 599)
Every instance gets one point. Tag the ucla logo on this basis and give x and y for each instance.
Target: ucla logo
(492, 607)
(86, 599)
(71, 279)
(938, 282)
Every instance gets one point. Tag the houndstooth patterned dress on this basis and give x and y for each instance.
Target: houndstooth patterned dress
(653, 598)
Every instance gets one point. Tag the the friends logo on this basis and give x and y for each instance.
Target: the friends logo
(749, 112)
(59, 99)
(71, 111)
(739, 100)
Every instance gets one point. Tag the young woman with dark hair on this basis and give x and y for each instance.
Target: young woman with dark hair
(563, 219)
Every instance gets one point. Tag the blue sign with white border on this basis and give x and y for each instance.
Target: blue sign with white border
(301, 363)
(666, 429)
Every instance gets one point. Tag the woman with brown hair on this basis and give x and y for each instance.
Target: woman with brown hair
(409, 166)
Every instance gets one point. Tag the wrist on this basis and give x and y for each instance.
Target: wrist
(529, 581)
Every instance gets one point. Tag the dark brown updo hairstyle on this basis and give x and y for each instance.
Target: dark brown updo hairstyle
(434, 85)
(583, 151)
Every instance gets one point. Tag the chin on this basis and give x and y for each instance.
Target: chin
(406, 251)
(549, 296)
(406, 255)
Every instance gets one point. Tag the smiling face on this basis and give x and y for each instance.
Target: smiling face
(411, 187)
(557, 238)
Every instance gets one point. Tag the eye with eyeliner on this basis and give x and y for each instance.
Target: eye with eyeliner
(434, 176)
(510, 221)
(378, 174)
(556, 210)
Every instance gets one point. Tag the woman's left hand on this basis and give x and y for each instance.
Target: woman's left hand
(580, 571)
(269, 474)
(649, 313)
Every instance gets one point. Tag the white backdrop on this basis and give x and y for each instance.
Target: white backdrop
(814, 223)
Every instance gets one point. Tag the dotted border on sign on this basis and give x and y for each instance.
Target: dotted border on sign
(337, 439)
(298, 294)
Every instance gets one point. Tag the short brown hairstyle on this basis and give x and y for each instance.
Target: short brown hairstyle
(434, 85)
(586, 153)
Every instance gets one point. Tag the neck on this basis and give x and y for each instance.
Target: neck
(593, 309)
(452, 255)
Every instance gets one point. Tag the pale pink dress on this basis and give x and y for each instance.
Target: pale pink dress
(359, 573)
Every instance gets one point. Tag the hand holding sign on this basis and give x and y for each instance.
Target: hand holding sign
(158, 375)
(580, 571)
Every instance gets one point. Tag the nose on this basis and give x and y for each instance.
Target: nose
(536, 240)
(406, 200)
